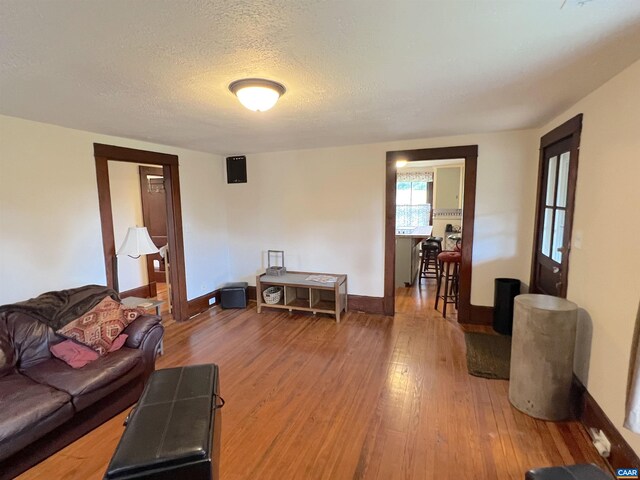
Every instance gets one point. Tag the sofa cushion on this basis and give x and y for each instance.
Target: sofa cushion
(100, 326)
(7, 356)
(93, 381)
(29, 411)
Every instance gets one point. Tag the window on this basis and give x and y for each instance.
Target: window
(412, 209)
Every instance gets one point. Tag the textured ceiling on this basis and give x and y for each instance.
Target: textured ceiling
(356, 71)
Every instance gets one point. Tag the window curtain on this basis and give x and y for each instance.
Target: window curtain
(415, 176)
(632, 416)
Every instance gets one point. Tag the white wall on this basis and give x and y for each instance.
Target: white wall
(603, 272)
(50, 235)
(322, 207)
(325, 208)
(126, 205)
(204, 206)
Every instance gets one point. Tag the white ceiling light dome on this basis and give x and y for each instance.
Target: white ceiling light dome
(257, 94)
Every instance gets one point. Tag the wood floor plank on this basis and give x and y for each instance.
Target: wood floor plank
(373, 397)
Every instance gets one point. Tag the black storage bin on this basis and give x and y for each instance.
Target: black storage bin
(234, 295)
(506, 289)
(174, 430)
(568, 472)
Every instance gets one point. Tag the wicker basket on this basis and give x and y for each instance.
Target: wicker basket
(272, 295)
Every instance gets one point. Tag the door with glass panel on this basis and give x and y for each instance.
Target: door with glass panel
(558, 172)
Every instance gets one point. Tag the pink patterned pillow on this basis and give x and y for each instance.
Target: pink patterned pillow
(100, 326)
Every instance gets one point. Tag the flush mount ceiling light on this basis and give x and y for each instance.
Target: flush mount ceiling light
(257, 94)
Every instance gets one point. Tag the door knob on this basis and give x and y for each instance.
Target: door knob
(558, 286)
(556, 270)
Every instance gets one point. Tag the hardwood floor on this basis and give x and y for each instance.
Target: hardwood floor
(372, 397)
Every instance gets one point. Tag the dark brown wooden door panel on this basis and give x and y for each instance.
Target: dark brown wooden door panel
(154, 214)
(558, 173)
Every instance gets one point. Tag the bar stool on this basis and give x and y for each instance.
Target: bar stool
(437, 240)
(429, 265)
(449, 271)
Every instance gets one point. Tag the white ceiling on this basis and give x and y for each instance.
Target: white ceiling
(356, 71)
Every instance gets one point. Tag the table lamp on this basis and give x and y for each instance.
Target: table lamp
(136, 243)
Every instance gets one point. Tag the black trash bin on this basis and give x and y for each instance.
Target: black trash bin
(506, 289)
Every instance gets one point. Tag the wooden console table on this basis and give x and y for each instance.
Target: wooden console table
(305, 295)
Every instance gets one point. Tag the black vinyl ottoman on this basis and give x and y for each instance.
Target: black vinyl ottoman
(174, 430)
(569, 472)
(234, 295)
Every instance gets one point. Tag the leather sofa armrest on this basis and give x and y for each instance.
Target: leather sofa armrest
(140, 328)
(145, 333)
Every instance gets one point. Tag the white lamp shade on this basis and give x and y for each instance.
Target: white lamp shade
(137, 242)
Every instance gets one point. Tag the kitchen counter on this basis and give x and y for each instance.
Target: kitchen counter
(418, 232)
(408, 247)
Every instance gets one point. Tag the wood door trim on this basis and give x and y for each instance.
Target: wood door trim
(132, 155)
(571, 128)
(177, 275)
(470, 155)
(106, 217)
(567, 129)
(104, 153)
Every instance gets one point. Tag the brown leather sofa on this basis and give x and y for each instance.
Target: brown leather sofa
(44, 403)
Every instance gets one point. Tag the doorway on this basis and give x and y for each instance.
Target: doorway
(428, 204)
(414, 199)
(154, 217)
(469, 155)
(105, 153)
(557, 177)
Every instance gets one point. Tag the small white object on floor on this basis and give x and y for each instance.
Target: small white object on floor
(601, 442)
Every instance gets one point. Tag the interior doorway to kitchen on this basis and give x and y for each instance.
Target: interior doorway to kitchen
(429, 201)
(460, 160)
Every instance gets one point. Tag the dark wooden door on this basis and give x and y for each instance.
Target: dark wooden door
(154, 214)
(556, 193)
